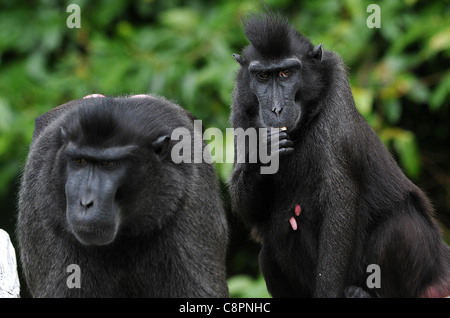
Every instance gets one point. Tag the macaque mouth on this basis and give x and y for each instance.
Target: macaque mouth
(94, 235)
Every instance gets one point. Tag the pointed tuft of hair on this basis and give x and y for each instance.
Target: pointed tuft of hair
(270, 34)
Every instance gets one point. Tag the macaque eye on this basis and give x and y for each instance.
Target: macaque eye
(263, 76)
(108, 164)
(80, 161)
(285, 74)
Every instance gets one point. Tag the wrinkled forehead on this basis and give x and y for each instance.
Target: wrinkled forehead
(261, 65)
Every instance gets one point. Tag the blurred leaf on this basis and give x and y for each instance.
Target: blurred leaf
(183, 19)
(363, 100)
(406, 147)
(244, 286)
(109, 10)
(441, 92)
(36, 67)
(440, 41)
(6, 116)
(392, 110)
(419, 92)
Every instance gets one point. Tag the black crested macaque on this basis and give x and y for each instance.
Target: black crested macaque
(100, 191)
(339, 202)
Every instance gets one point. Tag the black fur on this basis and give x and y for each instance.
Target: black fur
(357, 206)
(272, 27)
(172, 237)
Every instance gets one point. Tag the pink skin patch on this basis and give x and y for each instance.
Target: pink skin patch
(93, 96)
(298, 209)
(292, 220)
(293, 223)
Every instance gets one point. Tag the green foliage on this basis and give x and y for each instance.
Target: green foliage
(182, 50)
(244, 286)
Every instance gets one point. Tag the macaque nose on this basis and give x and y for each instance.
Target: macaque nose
(86, 203)
(277, 110)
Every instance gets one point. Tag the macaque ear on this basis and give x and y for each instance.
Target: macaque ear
(63, 134)
(316, 52)
(160, 146)
(239, 59)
